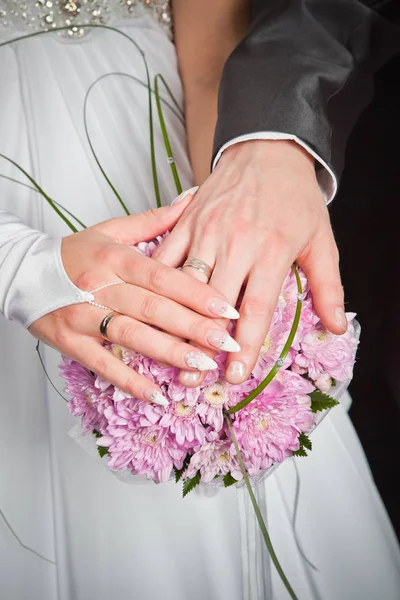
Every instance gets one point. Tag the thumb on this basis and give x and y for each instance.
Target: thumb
(147, 225)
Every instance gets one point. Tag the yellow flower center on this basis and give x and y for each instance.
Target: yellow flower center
(267, 345)
(321, 336)
(151, 439)
(182, 410)
(215, 395)
(88, 398)
(117, 351)
(263, 423)
(224, 457)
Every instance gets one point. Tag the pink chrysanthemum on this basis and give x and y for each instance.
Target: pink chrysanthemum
(88, 401)
(151, 440)
(214, 398)
(149, 451)
(268, 429)
(183, 421)
(322, 351)
(214, 458)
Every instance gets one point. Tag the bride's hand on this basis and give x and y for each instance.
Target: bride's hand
(258, 212)
(153, 294)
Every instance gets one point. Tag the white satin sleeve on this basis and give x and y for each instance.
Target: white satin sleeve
(33, 281)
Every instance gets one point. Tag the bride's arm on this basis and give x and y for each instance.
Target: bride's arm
(206, 33)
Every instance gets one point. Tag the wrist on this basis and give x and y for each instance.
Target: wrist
(270, 150)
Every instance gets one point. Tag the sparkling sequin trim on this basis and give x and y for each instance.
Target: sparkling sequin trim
(45, 15)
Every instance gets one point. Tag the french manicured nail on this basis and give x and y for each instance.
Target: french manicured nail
(236, 372)
(182, 196)
(222, 309)
(341, 320)
(222, 341)
(200, 361)
(155, 397)
(190, 378)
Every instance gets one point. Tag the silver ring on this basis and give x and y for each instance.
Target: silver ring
(105, 323)
(196, 263)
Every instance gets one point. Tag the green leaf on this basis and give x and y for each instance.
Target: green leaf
(180, 472)
(300, 452)
(320, 401)
(305, 441)
(190, 484)
(305, 444)
(229, 480)
(102, 450)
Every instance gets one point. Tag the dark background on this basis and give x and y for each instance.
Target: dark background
(366, 221)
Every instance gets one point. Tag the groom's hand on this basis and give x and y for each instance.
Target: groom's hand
(259, 211)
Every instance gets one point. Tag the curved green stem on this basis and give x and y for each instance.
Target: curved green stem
(42, 192)
(122, 203)
(259, 516)
(171, 95)
(166, 137)
(282, 355)
(138, 48)
(29, 187)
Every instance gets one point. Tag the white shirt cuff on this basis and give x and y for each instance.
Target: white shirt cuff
(326, 178)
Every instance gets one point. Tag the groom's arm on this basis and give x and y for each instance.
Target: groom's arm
(304, 71)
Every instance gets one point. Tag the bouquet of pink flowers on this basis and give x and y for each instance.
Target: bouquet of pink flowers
(193, 438)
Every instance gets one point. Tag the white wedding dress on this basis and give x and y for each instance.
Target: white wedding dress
(95, 537)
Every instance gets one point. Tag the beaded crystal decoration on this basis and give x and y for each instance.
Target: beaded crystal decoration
(45, 15)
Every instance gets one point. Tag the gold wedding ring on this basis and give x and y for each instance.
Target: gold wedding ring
(105, 323)
(196, 263)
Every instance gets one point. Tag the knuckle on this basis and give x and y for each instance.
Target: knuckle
(150, 307)
(86, 281)
(156, 278)
(176, 352)
(100, 366)
(197, 329)
(334, 289)
(130, 385)
(126, 334)
(106, 253)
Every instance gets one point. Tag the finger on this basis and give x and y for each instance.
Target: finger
(158, 345)
(147, 225)
(175, 247)
(201, 264)
(256, 310)
(142, 308)
(149, 274)
(96, 358)
(231, 281)
(321, 267)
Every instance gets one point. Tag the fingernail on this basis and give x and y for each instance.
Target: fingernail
(236, 372)
(200, 361)
(222, 341)
(341, 320)
(222, 309)
(189, 378)
(183, 195)
(155, 397)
